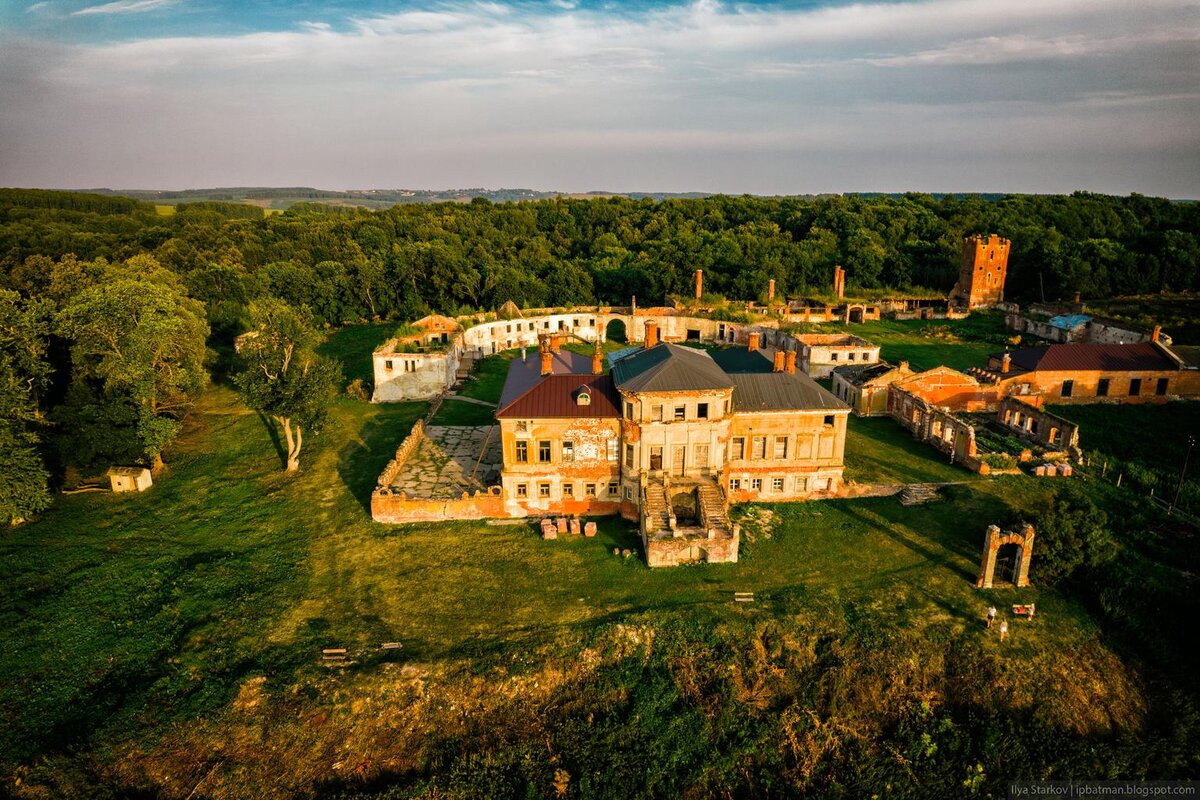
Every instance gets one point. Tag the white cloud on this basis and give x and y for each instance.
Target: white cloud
(125, 7)
(480, 89)
(37, 6)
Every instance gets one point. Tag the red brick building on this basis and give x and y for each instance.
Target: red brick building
(981, 277)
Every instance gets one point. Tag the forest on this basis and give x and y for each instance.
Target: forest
(85, 383)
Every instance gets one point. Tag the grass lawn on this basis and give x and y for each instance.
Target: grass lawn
(353, 346)
(880, 451)
(126, 612)
(487, 381)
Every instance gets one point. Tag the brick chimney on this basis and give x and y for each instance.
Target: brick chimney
(790, 365)
(753, 340)
(699, 283)
(1078, 298)
(651, 333)
(1156, 334)
(555, 343)
(778, 361)
(597, 362)
(771, 291)
(547, 362)
(1005, 364)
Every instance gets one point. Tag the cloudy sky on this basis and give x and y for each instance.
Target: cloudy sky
(577, 95)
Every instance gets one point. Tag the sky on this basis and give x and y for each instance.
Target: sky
(597, 95)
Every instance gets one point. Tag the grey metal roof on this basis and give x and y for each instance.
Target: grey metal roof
(741, 359)
(524, 374)
(669, 368)
(781, 391)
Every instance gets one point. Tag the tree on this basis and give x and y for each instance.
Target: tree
(1072, 532)
(145, 340)
(283, 377)
(24, 373)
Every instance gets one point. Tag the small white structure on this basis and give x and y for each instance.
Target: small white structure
(821, 353)
(129, 479)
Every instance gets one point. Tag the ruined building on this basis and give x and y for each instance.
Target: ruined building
(981, 277)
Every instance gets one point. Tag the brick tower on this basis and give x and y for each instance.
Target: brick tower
(984, 267)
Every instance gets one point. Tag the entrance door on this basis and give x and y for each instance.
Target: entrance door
(678, 454)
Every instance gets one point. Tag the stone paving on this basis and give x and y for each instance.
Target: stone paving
(447, 462)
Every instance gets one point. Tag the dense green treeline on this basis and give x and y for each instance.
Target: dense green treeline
(353, 264)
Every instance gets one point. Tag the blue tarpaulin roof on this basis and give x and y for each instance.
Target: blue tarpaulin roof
(1069, 321)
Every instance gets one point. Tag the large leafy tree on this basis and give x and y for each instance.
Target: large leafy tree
(283, 377)
(142, 339)
(24, 372)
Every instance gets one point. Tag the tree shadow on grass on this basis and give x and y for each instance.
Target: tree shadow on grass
(273, 432)
(361, 461)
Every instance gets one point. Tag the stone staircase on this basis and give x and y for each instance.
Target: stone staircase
(915, 494)
(655, 509)
(712, 505)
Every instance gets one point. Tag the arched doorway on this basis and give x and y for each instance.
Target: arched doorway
(614, 331)
(855, 314)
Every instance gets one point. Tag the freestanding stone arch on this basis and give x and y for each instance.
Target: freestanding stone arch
(993, 540)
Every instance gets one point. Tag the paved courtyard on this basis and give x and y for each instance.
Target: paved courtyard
(451, 460)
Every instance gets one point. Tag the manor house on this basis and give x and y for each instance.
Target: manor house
(668, 437)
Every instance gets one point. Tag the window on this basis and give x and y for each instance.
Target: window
(629, 456)
(758, 448)
(544, 451)
(656, 453)
(589, 490)
(702, 411)
(781, 443)
(613, 446)
(612, 489)
(680, 412)
(756, 484)
(734, 484)
(629, 411)
(1135, 387)
(656, 413)
(777, 484)
(702, 456)
(509, 329)
(568, 490)
(866, 357)
(737, 451)
(1067, 388)
(1161, 388)
(801, 484)
(568, 451)
(387, 365)
(522, 452)
(850, 356)
(833, 356)
(543, 490)
(522, 490)
(584, 398)
(1102, 388)
(829, 419)
(522, 425)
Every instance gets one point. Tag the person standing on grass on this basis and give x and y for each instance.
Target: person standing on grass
(1003, 630)
(991, 615)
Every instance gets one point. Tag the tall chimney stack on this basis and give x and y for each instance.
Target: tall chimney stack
(753, 340)
(699, 283)
(547, 361)
(651, 333)
(555, 343)
(1156, 333)
(597, 362)
(1005, 364)
(771, 291)
(778, 367)
(790, 365)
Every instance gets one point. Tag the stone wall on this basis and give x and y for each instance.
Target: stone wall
(406, 448)
(1041, 426)
(937, 427)
(691, 547)
(396, 507)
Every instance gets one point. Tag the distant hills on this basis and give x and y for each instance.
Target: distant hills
(283, 197)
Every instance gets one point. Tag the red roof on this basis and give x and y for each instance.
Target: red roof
(557, 396)
(1093, 358)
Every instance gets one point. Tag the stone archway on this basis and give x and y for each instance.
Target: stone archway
(993, 540)
(855, 313)
(615, 331)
